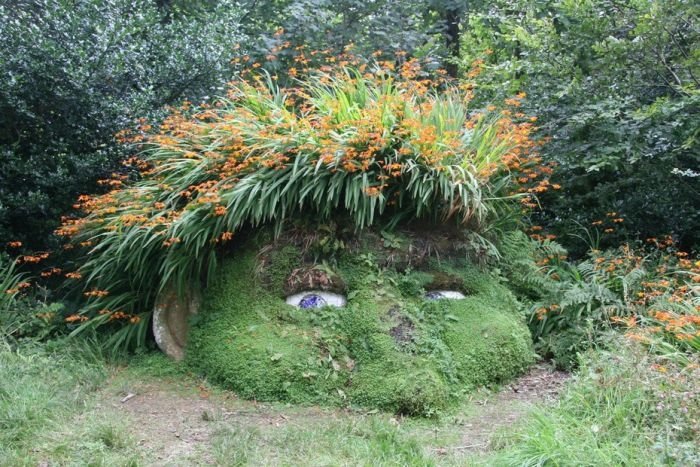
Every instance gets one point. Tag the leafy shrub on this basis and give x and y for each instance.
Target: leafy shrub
(22, 314)
(615, 86)
(519, 266)
(426, 29)
(370, 146)
(78, 72)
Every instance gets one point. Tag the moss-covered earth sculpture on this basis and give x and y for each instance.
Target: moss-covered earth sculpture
(378, 150)
(393, 346)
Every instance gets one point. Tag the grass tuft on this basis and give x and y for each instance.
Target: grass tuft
(624, 408)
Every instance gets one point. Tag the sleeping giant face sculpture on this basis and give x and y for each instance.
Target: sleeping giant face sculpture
(401, 322)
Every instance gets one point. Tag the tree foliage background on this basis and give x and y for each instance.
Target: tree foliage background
(613, 82)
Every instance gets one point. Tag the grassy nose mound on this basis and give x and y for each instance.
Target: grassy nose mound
(389, 348)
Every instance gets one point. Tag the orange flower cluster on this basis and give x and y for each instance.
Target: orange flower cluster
(51, 272)
(226, 236)
(665, 304)
(536, 233)
(20, 287)
(662, 243)
(135, 135)
(115, 181)
(541, 312)
(609, 223)
(96, 293)
(120, 316)
(171, 241)
(76, 318)
(629, 321)
(33, 259)
(680, 325)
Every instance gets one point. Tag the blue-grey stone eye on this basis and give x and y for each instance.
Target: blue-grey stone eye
(444, 294)
(312, 301)
(316, 299)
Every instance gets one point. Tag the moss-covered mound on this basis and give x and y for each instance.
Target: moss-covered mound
(389, 348)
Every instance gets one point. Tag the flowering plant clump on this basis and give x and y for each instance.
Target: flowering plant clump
(652, 293)
(366, 142)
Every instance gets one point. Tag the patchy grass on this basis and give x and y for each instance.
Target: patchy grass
(42, 390)
(63, 406)
(624, 408)
(369, 440)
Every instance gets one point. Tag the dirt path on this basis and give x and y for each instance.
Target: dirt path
(541, 384)
(174, 422)
(170, 425)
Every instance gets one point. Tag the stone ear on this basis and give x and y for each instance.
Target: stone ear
(171, 315)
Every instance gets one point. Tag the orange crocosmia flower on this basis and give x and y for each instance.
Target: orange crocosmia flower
(171, 241)
(76, 317)
(372, 191)
(32, 259)
(96, 293)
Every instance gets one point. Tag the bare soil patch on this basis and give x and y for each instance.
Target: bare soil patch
(174, 421)
(541, 385)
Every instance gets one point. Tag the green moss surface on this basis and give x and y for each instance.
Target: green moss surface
(389, 349)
